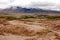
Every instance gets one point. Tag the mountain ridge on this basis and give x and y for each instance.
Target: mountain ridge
(28, 10)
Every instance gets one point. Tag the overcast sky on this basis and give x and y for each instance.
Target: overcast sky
(44, 4)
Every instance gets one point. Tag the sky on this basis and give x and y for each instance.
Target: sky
(43, 4)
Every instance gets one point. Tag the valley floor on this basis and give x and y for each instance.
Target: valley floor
(30, 30)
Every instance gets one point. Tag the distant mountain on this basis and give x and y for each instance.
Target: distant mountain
(28, 10)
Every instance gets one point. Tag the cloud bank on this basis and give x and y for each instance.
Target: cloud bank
(44, 4)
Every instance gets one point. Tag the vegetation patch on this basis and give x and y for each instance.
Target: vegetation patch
(29, 17)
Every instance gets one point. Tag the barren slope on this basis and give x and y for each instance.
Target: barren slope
(25, 30)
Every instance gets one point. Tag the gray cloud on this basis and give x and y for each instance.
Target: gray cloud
(12, 1)
(41, 4)
(44, 5)
(1, 3)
